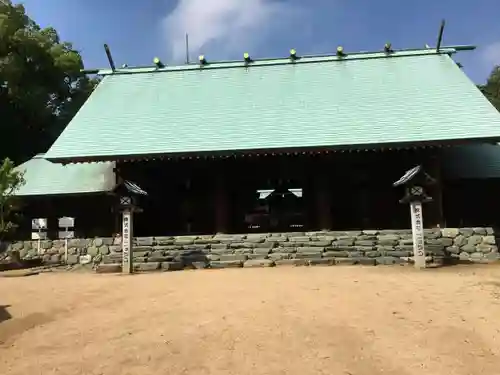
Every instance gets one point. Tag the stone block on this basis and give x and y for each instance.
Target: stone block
(212, 257)
(115, 249)
(286, 249)
(277, 239)
(279, 256)
(145, 267)
(223, 238)
(104, 250)
(363, 249)
(365, 237)
(484, 248)
(343, 243)
(345, 261)
(243, 251)
(468, 249)
(291, 262)
(453, 249)
(256, 238)
(450, 232)
(335, 254)
(321, 262)
(398, 232)
(163, 241)
(221, 251)
(319, 243)
(432, 233)
(183, 241)
(218, 246)
(261, 250)
(490, 231)
(466, 232)
(383, 249)
(474, 240)
(200, 265)
(258, 256)
(307, 255)
(355, 254)
(97, 242)
(238, 245)
(258, 263)
(112, 259)
(489, 240)
(144, 241)
(233, 257)
(93, 251)
(73, 259)
(172, 266)
(365, 243)
(310, 249)
(399, 253)
(84, 259)
(386, 261)
(142, 249)
(372, 254)
(299, 239)
(160, 258)
(140, 254)
(326, 238)
(109, 268)
(364, 261)
(370, 232)
(226, 264)
(480, 231)
(460, 240)
(197, 247)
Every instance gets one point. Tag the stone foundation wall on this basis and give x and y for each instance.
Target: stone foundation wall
(368, 247)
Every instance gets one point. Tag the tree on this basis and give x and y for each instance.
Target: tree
(41, 84)
(492, 88)
(10, 181)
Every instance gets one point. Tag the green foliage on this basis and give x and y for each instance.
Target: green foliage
(492, 88)
(41, 86)
(10, 181)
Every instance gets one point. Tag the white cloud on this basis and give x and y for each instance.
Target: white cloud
(491, 54)
(225, 26)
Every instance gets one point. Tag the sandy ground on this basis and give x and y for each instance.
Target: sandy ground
(334, 320)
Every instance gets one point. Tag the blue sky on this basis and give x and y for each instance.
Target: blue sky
(223, 29)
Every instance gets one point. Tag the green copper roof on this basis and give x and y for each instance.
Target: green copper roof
(46, 178)
(356, 101)
(472, 162)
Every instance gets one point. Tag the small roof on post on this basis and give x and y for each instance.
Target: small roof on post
(348, 100)
(44, 178)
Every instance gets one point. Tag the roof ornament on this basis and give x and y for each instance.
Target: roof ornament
(158, 63)
(110, 58)
(388, 48)
(440, 35)
(203, 60)
(293, 54)
(247, 58)
(340, 51)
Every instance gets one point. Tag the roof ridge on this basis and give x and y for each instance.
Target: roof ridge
(319, 58)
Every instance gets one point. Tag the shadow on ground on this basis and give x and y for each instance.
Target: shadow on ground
(4, 314)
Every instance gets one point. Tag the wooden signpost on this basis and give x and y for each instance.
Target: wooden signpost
(39, 227)
(127, 234)
(414, 181)
(65, 224)
(127, 193)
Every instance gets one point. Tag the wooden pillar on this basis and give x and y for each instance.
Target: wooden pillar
(435, 216)
(323, 203)
(221, 200)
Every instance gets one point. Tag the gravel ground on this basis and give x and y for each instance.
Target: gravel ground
(308, 320)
